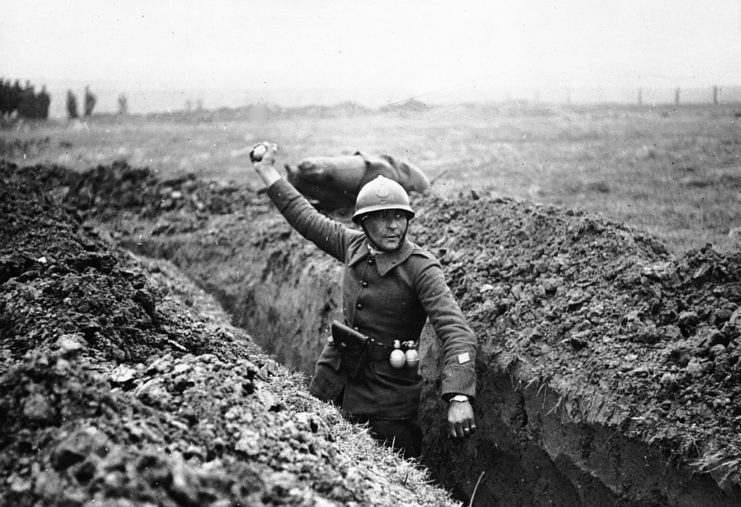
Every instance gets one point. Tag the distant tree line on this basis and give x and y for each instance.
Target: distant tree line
(23, 101)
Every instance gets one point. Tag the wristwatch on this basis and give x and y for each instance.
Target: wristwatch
(460, 398)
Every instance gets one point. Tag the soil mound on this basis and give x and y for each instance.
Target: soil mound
(123, 384)
(610, 371)
(603, 308)
(597, 314)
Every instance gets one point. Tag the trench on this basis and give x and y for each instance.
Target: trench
(531, 447)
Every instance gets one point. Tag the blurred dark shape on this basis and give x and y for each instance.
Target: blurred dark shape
(5, 100)
(123, 105)
(43, 100)
(71, 105)
(90, 100)
(26, 104)
(11, 98)
(334, 182)
(15, 96)
(18, 102)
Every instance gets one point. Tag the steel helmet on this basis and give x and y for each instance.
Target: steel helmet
(381, 194)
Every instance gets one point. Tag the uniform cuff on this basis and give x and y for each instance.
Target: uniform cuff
(458, 380)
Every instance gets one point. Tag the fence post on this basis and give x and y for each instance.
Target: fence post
(640, 96)
(715, 95)
(676, 96)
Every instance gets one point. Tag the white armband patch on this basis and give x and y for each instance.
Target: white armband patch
(463, 358)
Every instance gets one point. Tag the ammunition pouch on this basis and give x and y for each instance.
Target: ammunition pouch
(353, 347)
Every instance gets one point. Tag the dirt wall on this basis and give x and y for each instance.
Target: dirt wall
(537, 444)
(545, 436)
(121, 383)
(608, 370)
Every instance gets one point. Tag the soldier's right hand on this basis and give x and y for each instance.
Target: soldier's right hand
(263, 153)
(262, 156)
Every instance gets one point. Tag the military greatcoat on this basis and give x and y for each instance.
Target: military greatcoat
(387, 297)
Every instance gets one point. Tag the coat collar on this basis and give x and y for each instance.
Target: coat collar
(386, 261)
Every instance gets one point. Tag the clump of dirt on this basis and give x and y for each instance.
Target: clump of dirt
(107, 192)
(122, 384)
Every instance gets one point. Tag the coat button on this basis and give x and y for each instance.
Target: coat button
(359, 306)
(371, 260)
(364, 283)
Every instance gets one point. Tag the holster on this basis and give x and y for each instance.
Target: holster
(353, 347)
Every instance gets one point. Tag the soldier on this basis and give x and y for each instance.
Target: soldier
(43, 100)
(27, 104)
(4, 98)
(123, 105)
(390, 287)
(71, 105)
(90, 101)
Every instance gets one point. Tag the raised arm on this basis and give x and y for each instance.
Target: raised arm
(329, 235)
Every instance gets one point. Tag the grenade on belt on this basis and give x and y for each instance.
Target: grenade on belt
(397, 358)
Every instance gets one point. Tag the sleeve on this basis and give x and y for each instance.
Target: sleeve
(328, 235)
(457, 337)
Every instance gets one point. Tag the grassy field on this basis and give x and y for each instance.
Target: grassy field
(673, 171)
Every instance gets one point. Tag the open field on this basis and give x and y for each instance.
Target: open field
(673, 171)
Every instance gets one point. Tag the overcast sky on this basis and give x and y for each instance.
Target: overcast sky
(386, 49)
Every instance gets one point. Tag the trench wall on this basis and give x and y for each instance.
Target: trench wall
(533, 445)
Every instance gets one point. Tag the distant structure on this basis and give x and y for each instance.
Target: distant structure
(90, 100)
(123, 105)
(71, 105)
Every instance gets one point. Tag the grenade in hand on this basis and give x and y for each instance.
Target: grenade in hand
(258, 152)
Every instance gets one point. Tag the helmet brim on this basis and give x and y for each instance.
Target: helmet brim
(359, 214)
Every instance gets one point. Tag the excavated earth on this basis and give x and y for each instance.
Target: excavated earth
(122, 384)
(609, 370)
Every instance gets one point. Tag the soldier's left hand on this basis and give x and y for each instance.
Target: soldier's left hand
(461, 423)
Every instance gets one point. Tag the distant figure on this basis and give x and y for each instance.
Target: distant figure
(26, 103)
(123, 105)
(90, 100)
(16, 93)
(43, 100)
(71, 105)
(3, 98)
